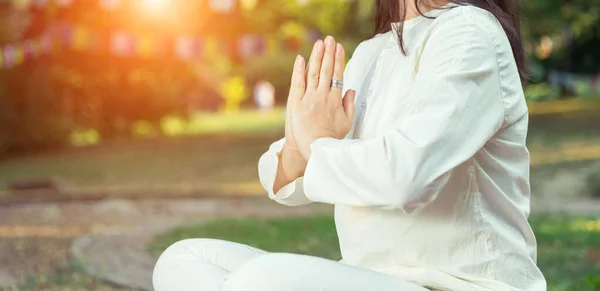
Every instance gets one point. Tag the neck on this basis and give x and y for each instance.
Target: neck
(423, 5)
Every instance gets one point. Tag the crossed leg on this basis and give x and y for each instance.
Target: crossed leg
(215, 265)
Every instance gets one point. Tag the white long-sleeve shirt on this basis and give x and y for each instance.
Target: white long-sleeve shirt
(432, 183)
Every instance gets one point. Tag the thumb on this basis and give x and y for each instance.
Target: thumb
(349, 107)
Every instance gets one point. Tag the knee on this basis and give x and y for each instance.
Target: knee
(269, 272)
(179, 250)
(176, 254)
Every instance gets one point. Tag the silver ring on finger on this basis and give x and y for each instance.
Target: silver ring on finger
(337, 84)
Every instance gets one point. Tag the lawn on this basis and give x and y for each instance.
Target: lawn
(221, 151)
(208, 151)
(568, 247)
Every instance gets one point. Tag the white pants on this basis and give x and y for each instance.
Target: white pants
(215, 265)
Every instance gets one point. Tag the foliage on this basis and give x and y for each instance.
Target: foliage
(540, 92)
(568, 252)
(45, 101)
(551, 17)
(573, 26)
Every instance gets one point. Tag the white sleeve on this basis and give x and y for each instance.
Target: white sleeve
(293, 193)
(458, 109)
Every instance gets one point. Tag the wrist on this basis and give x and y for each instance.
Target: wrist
(305, 147)
(293, 162)
(289, 148)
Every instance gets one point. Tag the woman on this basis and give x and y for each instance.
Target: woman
(430, 177)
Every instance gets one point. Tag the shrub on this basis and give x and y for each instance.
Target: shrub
(593, 181)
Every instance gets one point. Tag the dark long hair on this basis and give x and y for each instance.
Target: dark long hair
(390, 11)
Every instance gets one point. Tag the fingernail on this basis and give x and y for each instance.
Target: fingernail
(338, 49)
(299, 62)
(320, 46)
(329, 40)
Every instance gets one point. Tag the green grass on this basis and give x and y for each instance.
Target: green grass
(568, 247)
(187, 161)
(184, 160)
(207, 149)
(66, 278)
(210, 151)
(198, 123)
(205, 139)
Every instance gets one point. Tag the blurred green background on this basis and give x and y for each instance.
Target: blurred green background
(84, 83)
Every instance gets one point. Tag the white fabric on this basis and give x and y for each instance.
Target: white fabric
(432, 184)
(214, 265)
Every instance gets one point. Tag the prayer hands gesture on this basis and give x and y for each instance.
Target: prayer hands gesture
(315, 107)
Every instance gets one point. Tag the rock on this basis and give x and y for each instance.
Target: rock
(7, 280)
(564, 185)
(120, 256)
(50, 212)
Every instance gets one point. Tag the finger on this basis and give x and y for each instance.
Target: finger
(338, 70)
(292, 87)
(349, 106)
(298, 86)
(314, 68)
(307, 69)
(327, 64)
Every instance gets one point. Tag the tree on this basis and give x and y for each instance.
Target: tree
(84, 87)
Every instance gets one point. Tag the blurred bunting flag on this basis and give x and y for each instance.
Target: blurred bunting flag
(125, 44)
(63, 3)
(261, 44)
(223, 6)
(247, 46)
(248, 4)
(46, 43)
(313, 35)
(146, 46)
(31, 48)
(272, 45)
(187, 48)
(9, 55)
(19, 55)
(21, 4)
(122, 44)
(80, 38)
(110, 5)
(40, 3)
(211, 48)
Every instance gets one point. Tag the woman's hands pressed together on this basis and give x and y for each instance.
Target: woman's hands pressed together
(316, 108)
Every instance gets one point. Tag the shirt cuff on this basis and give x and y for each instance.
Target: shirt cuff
(268, 167)
(317, 183)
